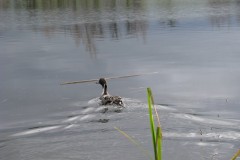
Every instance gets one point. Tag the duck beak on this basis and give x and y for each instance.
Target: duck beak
(97, 82)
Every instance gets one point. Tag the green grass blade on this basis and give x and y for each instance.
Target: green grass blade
(236, 155)
(159, 143)
(155, 109)
(151, 119)
(139, 146)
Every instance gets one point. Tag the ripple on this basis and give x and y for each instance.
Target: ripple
(36, 130)
(212, 136)
(231, 135)
(87, 117)
(94, 101)
(204, 120)
(70, 126)
(162, 107)
(101, 109)
(88, 110)
(72, 119)
(180, 135)
(204, 144)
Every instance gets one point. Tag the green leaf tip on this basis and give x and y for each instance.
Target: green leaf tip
(156, 134)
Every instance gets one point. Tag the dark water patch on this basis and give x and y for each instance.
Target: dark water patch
(103, 120)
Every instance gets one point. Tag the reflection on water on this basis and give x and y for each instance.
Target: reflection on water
(87, 33)
(219, 12)
(89, 20)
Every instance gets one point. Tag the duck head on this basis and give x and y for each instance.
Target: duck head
(102, 82)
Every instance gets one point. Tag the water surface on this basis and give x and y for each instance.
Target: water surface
(194, 47)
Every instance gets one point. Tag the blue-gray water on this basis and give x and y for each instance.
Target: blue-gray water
(193, 45)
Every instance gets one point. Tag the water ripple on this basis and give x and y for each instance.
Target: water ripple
(230, 135)
(204, 120)
(35, 131)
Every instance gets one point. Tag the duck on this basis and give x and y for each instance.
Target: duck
(106, 98)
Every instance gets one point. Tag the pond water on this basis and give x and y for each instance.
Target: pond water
(192, 45)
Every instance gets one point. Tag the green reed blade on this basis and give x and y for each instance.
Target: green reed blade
(236, 155)
(159, 143)
(152, 125)
(139, 146)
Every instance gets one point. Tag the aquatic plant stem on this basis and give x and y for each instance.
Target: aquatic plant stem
(159, 143)
(236, 155)
(146, 153)
(156, 136)
(151, 119)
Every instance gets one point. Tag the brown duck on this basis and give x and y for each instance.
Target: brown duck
(106, 98)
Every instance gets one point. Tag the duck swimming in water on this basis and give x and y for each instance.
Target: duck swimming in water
(106, 98)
